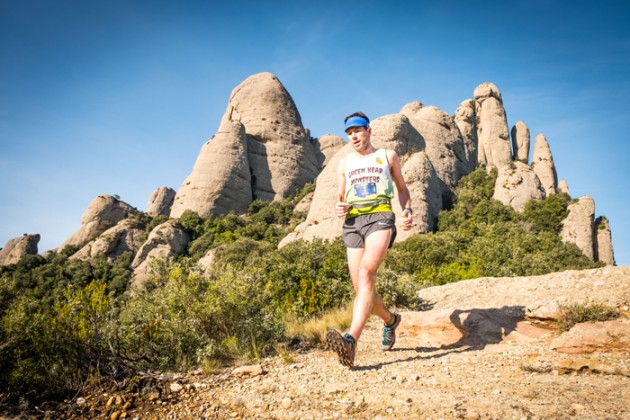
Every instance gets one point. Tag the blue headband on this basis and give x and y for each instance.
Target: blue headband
(356, 122)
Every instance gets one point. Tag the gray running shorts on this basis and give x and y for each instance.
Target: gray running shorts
(356, 229)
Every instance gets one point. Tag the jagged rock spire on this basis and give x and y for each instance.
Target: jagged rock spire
(492, 130)
(543, 165)
(603, 242)
(578, 226)
(466, 120)
(520, 141)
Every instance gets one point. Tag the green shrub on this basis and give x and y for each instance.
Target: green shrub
(547, 215)
(588, 312)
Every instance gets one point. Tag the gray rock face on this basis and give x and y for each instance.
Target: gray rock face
(444, 144)
(466, 120)
(492, 129)
(425, 188)
(220, 181)
(325, 148)
(124, 237)
(543, 165)
(603, 242)
(393, 132)
(564, 187)
(305, 204)
(102, 213)
(520, 141)
(17, 248)
(281, 157)
(165, 241)
(516, 185)
(578, 227)
(161, 201)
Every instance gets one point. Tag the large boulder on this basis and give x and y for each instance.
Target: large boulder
(589, 337)
(578, 226)
(492, 129)
(16, 248)
(393, 132)
(603, 242)
(520, 141)
(491, 310)
(325, 148)
(126, 236)
(280, 153)
(443, 142)
(160, 202)
(165, 241)
(220, 181)
(543, 165)
(102, 213)
(516, 185)
(466, 120)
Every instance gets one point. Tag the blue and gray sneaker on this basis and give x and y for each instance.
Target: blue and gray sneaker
(389, 333)
(343, 345)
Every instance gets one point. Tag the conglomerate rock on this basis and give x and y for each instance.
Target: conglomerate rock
(578, 227)
(492, 129)
(16, 248)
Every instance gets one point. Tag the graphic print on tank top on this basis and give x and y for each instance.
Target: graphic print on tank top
(368, 178)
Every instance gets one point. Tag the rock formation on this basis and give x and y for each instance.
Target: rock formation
(102, 213)
(17, 248)
(260, 151)
(124, 237)
(325, 148)
(516, 185)
(280, 153)
(165, 241)
(160, 202)
(520, 142)
(220, 181)
(492, 130)
(543, 165)
(578, 226)
(443, 142)
(563, 187)
(466, 120)
(603, 242)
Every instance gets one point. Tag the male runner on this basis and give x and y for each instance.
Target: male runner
(367, 177)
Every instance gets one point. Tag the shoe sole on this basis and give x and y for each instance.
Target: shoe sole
(336, 343)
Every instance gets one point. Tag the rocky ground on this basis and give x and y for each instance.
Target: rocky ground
(475, 355)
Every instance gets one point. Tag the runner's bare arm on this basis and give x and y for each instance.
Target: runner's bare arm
(341, 207)
(401, 188)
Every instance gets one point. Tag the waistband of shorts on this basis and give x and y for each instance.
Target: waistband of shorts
(370, 204)
(377, 208)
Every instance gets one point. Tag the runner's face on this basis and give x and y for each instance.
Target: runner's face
(359, 138)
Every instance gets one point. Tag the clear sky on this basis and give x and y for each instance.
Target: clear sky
(118, 96)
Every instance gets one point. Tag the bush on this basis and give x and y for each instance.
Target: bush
(589, 312)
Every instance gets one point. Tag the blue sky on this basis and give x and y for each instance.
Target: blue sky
(118, 97)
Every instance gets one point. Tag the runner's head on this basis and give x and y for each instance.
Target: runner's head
(358, 119)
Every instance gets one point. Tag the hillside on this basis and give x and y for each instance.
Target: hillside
(507, 361)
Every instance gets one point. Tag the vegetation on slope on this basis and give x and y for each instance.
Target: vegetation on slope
(66, 323)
